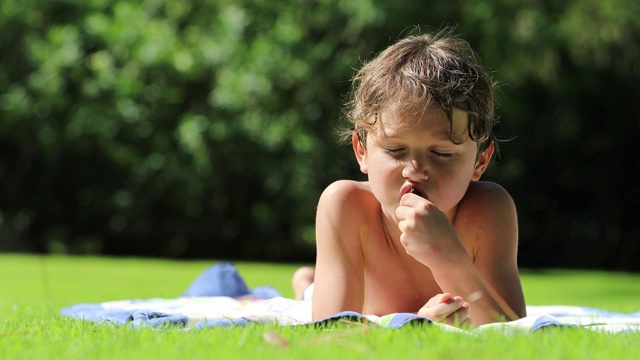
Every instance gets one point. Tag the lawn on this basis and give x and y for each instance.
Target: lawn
(34, 288)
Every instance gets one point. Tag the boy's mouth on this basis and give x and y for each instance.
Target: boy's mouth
(411, 188)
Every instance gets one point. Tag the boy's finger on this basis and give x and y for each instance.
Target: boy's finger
(440, 299)
(445, 309)
(411, 200)
(401, 212)
(458, 318)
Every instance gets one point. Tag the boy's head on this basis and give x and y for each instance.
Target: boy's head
(416, 73)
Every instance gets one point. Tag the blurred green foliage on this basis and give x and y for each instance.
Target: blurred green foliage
(206, 128)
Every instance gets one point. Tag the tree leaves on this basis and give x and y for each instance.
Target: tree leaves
(217, 120)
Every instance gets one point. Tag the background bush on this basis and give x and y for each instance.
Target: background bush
(206, 128)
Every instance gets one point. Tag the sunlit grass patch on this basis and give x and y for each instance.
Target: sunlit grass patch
(35, 288)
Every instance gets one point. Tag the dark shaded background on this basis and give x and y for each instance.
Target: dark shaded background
(206, 129)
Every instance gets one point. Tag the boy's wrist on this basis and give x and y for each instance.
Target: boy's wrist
(444, 260)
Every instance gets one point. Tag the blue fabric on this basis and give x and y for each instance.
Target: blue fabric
(223, 279)
(223, 323)
(395, 321)
(402, 319)
(96, 313)
(547, 320)
(154, 318)
(218, 298)
(351, 316)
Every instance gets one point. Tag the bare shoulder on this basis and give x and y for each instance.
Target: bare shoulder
(347, 187)
(486, 198)
(347, 195)
(487, 214)
(344, 213)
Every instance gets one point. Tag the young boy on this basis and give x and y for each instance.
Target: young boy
(422, 234)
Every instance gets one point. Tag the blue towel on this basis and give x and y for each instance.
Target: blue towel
(219, 297)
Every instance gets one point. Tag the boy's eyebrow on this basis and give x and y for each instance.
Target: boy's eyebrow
(442, 134)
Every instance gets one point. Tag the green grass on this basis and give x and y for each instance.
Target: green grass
(34, 288)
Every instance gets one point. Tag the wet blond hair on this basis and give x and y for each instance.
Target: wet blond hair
(417, 72)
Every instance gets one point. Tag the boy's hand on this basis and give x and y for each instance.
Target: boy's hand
(427, 233)
(444, 308)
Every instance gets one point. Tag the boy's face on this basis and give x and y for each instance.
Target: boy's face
(421, 155)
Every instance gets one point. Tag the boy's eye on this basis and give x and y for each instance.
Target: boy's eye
(393, 151)
(443, 155)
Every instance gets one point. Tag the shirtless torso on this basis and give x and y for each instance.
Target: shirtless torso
(379, 276)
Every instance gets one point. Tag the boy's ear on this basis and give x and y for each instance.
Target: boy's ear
(483, 160)
(361, 153)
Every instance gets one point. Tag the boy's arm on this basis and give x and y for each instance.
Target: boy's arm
(339, 277)
(486, 218)
(494, 233)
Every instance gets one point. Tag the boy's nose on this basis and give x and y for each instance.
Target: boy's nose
(413, 170)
